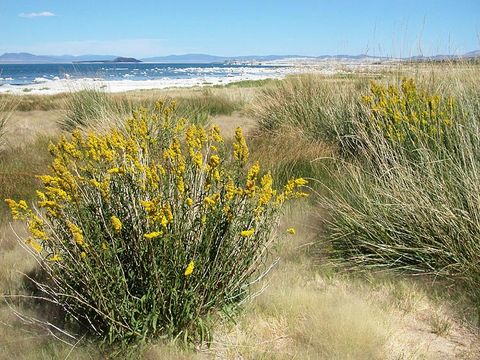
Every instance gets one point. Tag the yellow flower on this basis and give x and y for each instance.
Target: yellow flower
(149, 206)
(189, 201)
(214, 161)
(35, 245)
(208, 201)
(198, 160)
(83, 254)
(18, 209)
(291, 231)
(189, 269)
(247, 233)
(116, 223)
(301, 182)
(164, 221)
(181, 185)
(240, 148)
(36, 228)
(215, 134)
(153, 235)
(114, 170)
(76, 233)
(55, 257)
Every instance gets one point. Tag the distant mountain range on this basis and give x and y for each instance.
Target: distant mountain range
(27, 58)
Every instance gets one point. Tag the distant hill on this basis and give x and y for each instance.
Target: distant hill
(114, 61)
(187, 59)
(472, 54)
(27, 58)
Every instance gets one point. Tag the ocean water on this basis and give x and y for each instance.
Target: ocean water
(26, 74)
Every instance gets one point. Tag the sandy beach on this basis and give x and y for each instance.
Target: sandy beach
(208, 77)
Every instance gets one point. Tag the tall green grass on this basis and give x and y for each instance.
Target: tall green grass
(415, 206)
(7, 107)
(406, 196)
(94, 107)
(19, 167)
(315, 105)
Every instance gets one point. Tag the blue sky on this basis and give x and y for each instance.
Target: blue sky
(245, 27)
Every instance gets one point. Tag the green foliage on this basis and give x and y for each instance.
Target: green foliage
(146, 230)
(96, 108)
(91, 106)
(319, 108)
(410, 200)
(7, 107)
(19, 167)
(407, 116)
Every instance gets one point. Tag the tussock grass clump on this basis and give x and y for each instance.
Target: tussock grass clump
(320, 108)
(208, 102)
(90, 107)
(411, 200)
(35, 102)
(96, 108)
(146, 230)
(7, 108)
(19, 167)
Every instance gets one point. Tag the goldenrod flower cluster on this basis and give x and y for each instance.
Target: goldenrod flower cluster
(126, 209)
(405, 114)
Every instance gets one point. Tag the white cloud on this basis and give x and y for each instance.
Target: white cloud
(36, 14)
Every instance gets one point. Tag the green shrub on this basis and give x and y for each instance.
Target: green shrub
(408, 117)
(147, 230)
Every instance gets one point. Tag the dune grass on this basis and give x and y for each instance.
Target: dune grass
(310, 309)
(19, 167)
(314, 105)
(86, 107)
(400, 198)
(413, 204)
(7, 107)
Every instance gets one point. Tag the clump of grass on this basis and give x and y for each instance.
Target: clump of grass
(208, 102)
(248, 83)
(319, 108)
(411, 202)
(149, 229)
(96, 108)
(91, 107)
(7, 107)
(288, 154)
(19, 167)
(440, 324)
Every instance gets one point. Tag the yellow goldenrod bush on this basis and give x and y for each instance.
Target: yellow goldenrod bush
(146, 229)
(407, 115)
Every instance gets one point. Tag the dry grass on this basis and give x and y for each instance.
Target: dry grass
(305, 312)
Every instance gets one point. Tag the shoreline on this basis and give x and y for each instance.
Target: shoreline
(51, 86)
(46, 86)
